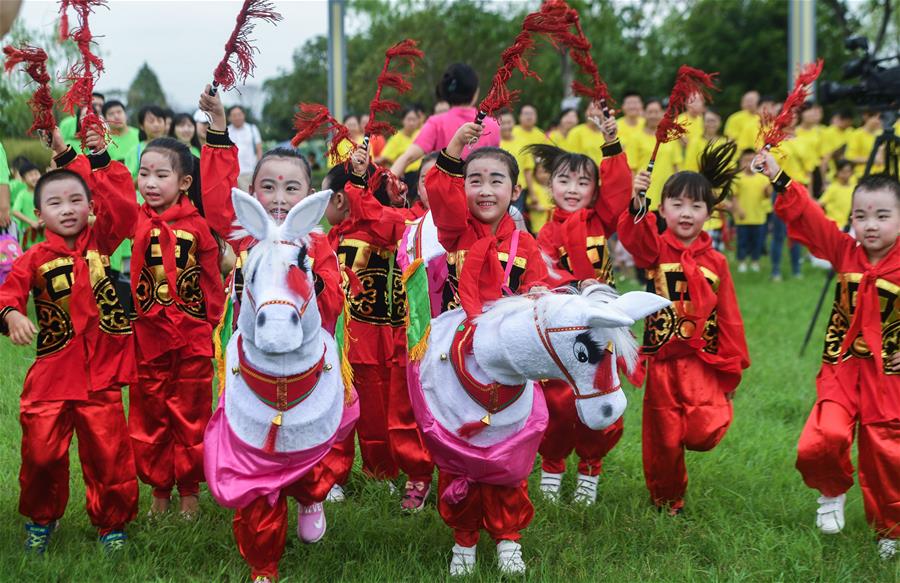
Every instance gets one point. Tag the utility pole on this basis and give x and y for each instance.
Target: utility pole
(337, 59)
(801, 38)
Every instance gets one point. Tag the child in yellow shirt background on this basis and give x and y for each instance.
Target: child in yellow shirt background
(752, 204)
(838, 195)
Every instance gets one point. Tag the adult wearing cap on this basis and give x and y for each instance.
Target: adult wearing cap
(202, 122)
(123, 137)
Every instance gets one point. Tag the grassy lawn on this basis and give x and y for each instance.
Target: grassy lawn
(749, 516)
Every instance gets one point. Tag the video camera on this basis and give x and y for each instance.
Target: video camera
(878, 87)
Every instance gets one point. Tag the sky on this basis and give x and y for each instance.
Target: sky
(183, 41)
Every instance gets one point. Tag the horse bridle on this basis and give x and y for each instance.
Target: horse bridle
(544, 335)
(256, 308)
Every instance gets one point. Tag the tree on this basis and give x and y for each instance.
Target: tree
(145, 90)
(306, 82)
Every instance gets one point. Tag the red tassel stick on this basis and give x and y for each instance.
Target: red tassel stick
(312, 119)
(407, 52)
(238, 50)
(556, 18)
(512, 59)
(84, 73)
(772, 130)
(41, 102)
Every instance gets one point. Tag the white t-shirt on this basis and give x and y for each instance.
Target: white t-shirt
(245, 138)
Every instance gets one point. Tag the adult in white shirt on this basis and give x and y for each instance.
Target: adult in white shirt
(248, 141)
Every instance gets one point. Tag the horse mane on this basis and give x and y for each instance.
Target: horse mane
(595, 296)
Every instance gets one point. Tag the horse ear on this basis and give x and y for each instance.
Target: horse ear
(251, 215)
(305, 215)
(638, 304)
(608, 317)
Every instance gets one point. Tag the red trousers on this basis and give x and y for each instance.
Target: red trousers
(103, 448)
(389, 438)
(684, 408)
(502, 511)
(261, 530)
(169, 408)
(823, 458)
(565, 433)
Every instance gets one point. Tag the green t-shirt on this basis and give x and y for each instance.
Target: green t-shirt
(16, 188)
(121, 146)
(24, 203)
(68, 127)
(4, 167)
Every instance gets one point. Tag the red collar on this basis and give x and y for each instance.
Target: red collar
(492, 396)
(280, 393)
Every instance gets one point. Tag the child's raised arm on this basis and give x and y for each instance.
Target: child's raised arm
(641, 238)
(13, 303)
(614, 187)
(219, 168)
(805, 220)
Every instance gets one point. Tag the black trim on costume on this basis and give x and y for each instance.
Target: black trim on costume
(450, 165)
(66, 158)
(781, 182)
(218, 139)
(359, 181)
(99, 160)
(4, 329)
(612, 148)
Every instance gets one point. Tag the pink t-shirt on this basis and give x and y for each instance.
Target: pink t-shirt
(439, 130)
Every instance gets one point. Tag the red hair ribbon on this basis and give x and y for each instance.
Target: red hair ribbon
(41, 102)
(313, 118)
(83, 73)
(406, 52)
(772, 127)
(238, 50)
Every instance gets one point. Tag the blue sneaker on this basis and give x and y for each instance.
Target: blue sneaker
(38, 536)
(114, 541)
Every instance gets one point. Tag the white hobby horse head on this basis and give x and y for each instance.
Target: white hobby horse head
(278, 308)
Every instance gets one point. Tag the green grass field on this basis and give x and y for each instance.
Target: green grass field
(749, 516)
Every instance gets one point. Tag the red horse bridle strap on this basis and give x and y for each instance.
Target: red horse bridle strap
(544, 335)
(281, 393)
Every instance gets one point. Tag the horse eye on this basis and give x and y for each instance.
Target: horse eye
(253, 277)
(581, 352)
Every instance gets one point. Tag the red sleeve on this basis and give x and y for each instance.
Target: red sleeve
(14, 291)
(115, 204)
(615, 187)
(210, 277)
(642, 240)
(327, 275)
(383, 225)
(447, 198)
(807, 223)
(219, 171)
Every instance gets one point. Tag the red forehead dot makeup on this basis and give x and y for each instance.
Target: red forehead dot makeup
(280, 177)
(152, 166)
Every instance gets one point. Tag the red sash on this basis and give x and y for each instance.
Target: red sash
(281, 393)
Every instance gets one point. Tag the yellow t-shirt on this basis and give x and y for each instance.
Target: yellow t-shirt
(525, 138)
(749, 136)
(694, 150)
(557, 138)
(859, 145)
(540, 202)
(628, 134)
(736, 122)
(833, 139)
(790, 158)
(669, 160)
(693, 125)
(837, 200)
(715, 221)
(752, 194)
(526, 162)
(397, 145)
(584, 139)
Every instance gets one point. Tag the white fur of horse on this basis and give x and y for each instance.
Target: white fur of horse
(275, 340)
(508, 350)
(427, 230)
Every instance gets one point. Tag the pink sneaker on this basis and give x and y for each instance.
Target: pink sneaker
(415, 495)
(311, 523)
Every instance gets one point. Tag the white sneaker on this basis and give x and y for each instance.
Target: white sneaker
(550, 485)
(463, 561)
(742, 267)
(336, 494)
(887, 548)
(586, 489)
(754, 267)
(830, 515)
(509, 558)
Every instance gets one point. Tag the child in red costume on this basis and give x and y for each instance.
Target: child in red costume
(470, 202)
(85, 352)
(858, 386)
(576, 241)
(695, 350)
(281, 179)
(365, 233)
(178, 296)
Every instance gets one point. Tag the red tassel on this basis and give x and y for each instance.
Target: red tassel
(407, 53)
(313, 118)
(470, 429)
(271, 437)
(238, 60)
(688, 83)
(512, 59)
(355, 285)
(395, 187)
(773, 128)
(298, 282)
(41, 102)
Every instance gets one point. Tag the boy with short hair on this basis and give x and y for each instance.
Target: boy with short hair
(85, 352)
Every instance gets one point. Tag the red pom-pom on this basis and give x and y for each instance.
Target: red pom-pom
(298, 282)
(313, 118)
(689, 82)
(407, 52)
(353, 282)
(238, 60)
(512, 59)
(471, 429)
(773, 128)
(41, 102)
